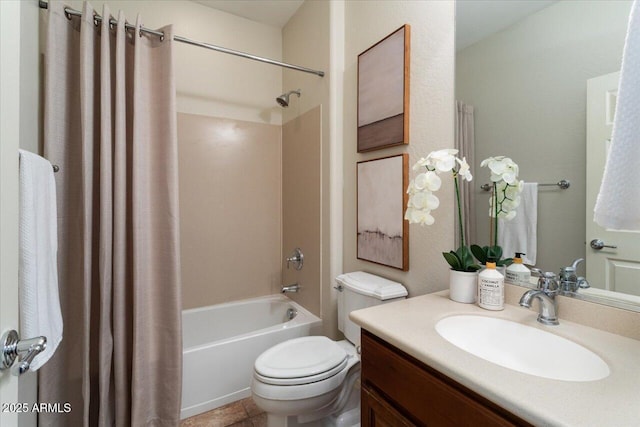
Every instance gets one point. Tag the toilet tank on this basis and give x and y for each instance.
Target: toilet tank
(361, 290)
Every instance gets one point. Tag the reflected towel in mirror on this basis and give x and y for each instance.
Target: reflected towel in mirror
(521, 233)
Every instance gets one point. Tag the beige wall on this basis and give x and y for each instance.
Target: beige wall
(301, 205)
(230, 209)
(208, 82)
(431, 125)
(528, 87)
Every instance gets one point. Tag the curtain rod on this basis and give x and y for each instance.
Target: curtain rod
(72, 12)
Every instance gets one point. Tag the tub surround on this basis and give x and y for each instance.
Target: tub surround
(301, 205)
(227, 168)
(409, 325)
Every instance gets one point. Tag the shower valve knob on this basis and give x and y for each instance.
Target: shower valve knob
(297, 259)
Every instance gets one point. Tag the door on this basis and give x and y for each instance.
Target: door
(612, 268)
(9, 142)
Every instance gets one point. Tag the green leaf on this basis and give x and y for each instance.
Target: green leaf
(480, 253)
(461, 260)
(465, 257)
(506, 261)
(494, 252)
(453, 260)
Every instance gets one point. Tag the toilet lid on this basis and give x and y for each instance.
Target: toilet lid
(300, 360)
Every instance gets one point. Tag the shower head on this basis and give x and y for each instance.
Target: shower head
(283, 99)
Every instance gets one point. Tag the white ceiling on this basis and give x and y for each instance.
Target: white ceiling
(271, 12)
(477, 19)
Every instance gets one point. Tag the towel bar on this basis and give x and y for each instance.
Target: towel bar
(13, 346)
(563, 184)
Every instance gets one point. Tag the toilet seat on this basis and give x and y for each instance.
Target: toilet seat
(315, 394)
(300, 361)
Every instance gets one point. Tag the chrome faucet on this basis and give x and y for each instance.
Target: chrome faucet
(569, 280)
(291, 288)
(545, 294)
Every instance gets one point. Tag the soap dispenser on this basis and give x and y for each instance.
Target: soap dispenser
(517, 273)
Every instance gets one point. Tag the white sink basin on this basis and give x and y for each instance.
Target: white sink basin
(522, 348)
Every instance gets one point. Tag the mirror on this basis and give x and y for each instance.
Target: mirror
(523, 66)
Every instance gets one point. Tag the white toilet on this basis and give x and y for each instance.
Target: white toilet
(314, 381)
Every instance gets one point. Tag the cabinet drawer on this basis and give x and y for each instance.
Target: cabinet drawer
(376, 412)
(424, 395)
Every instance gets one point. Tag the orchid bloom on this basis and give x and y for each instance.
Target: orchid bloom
(506, 189)
(421, 198)
(502, 169)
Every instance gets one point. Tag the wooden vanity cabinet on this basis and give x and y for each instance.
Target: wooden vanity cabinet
(399, 390)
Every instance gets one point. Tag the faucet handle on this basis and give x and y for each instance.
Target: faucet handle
(547, 282)
(583, 283)
(568, 274)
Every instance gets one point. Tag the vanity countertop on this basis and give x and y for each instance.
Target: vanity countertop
(613, 401)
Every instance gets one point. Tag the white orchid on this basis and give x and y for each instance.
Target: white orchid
(429, 181)
(506, 187)
(502, 204)
(421, 198)
(464, 171)
(505, 197)
(502, 169)
(419, 216)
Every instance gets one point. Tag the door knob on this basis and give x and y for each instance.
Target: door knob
(598, 244)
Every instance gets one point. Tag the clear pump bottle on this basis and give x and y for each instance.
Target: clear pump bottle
(517, 273)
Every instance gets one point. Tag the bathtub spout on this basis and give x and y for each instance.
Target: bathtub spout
(291, 288)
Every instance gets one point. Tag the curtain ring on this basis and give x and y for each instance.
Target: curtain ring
(95, 20)
(111, 25)
(162, 37)
(67, 14)
(140, 32)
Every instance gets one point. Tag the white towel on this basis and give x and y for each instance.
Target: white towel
(39, 300)
(521, 233)
(618, 203)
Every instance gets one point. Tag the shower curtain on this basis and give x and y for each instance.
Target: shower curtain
(465, 143)
(110, 124)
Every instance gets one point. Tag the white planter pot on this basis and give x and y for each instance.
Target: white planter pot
(463, 286)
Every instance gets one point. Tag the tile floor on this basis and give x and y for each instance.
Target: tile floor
(243, 413)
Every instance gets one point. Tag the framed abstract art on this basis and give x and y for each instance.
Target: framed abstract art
(383, 92)
(382, 232)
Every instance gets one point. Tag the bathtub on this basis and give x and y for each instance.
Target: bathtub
(221, 342)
